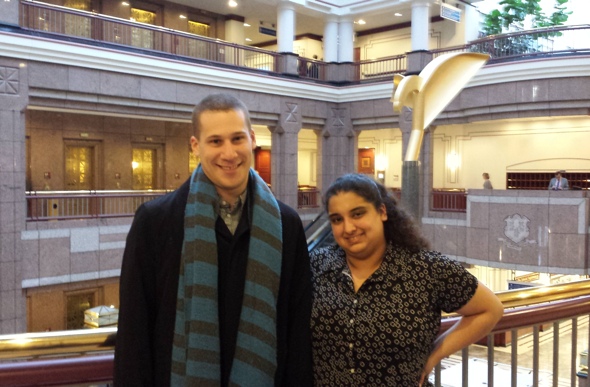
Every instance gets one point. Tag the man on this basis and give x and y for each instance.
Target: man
(558, 183)
(215, 283)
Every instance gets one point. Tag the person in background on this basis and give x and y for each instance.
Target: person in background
(487, 184)
(215, 285)
(379, 293)
(558, 182)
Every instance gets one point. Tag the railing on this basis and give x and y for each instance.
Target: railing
(56, 205)
(540, 42)
(89, 26)
(448, 200)
(27, 357)
(61, 205)
(307, 197)
(120, 32)
(380, 68)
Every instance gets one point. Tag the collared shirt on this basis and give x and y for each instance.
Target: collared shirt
(231, 214)
(382, 334)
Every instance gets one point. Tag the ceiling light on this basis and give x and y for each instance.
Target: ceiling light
(361, 22)
(397, 14)
(248, 40)
(182, 17)
(246, 25)
(232, 3)
(126, 4)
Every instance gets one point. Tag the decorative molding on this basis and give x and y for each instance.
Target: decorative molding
(9, 80)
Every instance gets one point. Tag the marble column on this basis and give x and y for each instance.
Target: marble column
(13, 102)
(284, 153)
(234, 30)
(420, 23)
(345, 40)
(331, 39)
(285, 26)
(337, 146)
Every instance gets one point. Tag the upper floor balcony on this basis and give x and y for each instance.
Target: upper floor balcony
(103, 30)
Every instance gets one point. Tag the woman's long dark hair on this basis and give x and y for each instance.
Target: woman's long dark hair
(399, 228)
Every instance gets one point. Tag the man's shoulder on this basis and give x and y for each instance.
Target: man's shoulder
(168, 204)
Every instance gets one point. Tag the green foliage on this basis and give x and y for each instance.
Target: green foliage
(514, 13)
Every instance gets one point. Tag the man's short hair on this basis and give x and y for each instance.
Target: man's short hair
(220, 103)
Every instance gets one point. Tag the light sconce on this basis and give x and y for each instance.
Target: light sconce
(453, 161)
(134, 164)
(381, 162)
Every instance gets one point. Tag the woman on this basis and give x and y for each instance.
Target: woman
(378, 294)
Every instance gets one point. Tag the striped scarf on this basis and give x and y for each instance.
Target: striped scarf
(196, 350)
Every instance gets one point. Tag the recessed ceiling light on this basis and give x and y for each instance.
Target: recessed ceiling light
(248, 40)
(126, 4)
(361, 22)
(182, 17)
(246, 25)
(397, 14)
(232, 3)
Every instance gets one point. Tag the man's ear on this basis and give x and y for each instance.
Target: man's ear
(253, 137)
(195, 146)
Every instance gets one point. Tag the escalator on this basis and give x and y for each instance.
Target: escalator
(319, 232)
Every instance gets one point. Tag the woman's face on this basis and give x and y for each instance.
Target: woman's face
(357, 226)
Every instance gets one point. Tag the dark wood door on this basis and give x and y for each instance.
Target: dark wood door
(262, 163)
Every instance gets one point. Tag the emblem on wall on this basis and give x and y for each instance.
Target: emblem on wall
(517, 230)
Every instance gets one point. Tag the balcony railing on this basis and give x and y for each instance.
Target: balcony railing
(62, 205)
(85, 356)
(448, 200)
(89, 26)
(56, 205)
(529, 44)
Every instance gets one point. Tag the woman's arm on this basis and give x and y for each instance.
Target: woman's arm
(479, 316)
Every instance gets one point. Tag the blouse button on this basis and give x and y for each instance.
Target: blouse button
(350, 345)
(355, 301)
(352, 370)
(351, 320)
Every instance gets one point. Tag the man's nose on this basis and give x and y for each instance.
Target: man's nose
(229, 150)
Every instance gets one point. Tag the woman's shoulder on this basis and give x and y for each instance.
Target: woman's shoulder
(326, 258)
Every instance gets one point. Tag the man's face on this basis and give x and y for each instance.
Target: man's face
(225, 146)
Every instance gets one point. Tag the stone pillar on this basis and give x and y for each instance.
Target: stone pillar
(13, 102)
(345, 40)
(337, 146)
(417, 60)
(330, 42)
(9, 12)
(284, 153)
(410, 169)
(426, 161)
(234, 29)
(420, 22)
(285, 26)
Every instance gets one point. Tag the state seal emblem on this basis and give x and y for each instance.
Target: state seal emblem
(517, 228)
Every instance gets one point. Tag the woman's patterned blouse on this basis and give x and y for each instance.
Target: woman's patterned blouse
(383, 334)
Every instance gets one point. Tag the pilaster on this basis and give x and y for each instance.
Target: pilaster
(13, 102)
